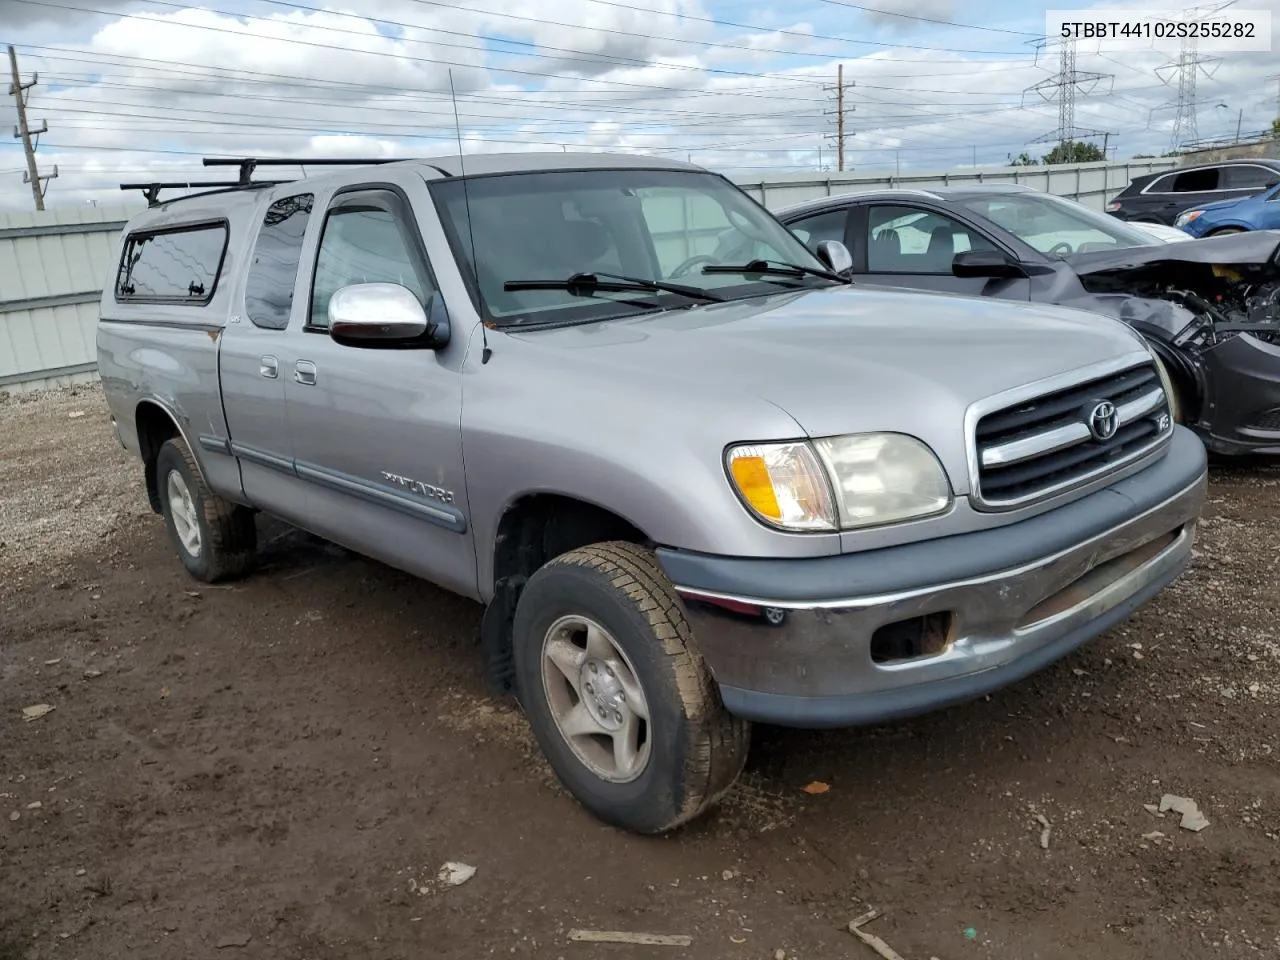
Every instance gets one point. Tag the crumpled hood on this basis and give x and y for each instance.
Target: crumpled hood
(1256, 248)
(845, 359)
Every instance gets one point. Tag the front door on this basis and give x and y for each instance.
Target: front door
(377, 439)
(903, 245)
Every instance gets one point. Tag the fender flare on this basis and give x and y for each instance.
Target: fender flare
(167, 409)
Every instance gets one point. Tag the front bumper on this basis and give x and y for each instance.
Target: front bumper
(1242, 414)
(869, 637)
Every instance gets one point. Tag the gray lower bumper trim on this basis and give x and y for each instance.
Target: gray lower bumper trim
(888, 705)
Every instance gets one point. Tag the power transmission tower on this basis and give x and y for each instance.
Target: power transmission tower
(842, 107)
(24, 132)
(1187, 68)
(1061, 88)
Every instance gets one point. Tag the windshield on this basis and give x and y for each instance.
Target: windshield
(1056, 226)
(651, 225)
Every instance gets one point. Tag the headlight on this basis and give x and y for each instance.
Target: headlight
(840, 483)
(1185, 218)
(784, 485)
(1166, 383)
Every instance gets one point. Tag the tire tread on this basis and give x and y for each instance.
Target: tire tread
(717, 742)
(233, 537)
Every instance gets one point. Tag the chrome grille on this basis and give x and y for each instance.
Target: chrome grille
(1061, 440)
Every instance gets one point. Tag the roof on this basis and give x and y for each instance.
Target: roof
(537, 160)
(450, 165)
(1144, 178)
(906, 193)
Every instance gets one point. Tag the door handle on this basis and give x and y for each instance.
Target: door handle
(304, 371)
(269, 367)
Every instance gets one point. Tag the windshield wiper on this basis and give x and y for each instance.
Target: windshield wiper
(775, 268)
(588, 284)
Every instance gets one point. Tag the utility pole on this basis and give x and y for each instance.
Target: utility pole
(24, 132)
(840, 113)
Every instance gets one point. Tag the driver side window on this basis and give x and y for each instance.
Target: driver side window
(823, 226)
(903, 239)
(364, 243)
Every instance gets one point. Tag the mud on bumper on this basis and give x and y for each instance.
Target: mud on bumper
(869, 637)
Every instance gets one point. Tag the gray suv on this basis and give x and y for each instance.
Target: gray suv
(690, 494)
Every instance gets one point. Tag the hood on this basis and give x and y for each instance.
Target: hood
(1161, 232)
(841, 360)
(1218, 204)
(1256, 248)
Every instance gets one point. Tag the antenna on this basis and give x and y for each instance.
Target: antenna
(466, 202)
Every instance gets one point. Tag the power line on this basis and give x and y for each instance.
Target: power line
(1061, 88)
(1187, 68)
(807, 37)
(39, 184)
(911, 16)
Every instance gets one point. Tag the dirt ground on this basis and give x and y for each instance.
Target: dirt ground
(279, 768)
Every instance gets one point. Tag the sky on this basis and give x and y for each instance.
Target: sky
(142, 89)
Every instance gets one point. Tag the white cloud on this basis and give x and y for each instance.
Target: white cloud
(150, 91)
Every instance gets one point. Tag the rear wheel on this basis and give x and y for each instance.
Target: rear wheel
(215, 538)
(622, 705)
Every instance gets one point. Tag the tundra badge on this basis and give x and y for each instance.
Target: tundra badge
(420, 488)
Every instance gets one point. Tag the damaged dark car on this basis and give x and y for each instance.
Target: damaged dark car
(1209, 308)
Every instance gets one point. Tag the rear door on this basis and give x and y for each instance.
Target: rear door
(377, 436)
(254, 359)
(1170, 195)
(1246, 180)
(906, 245)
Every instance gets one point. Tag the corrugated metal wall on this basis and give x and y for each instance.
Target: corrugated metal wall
(52, 268)
(1092, 184)
(53, 264)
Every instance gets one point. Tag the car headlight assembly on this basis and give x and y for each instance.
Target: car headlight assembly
(839, 483)
(1185, 218)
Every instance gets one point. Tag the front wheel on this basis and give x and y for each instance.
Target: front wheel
(622, 705)
(216, 539)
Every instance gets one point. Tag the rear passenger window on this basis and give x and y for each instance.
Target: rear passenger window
(268, 294)
(1196, 181)
(175, 265)
(364, 244)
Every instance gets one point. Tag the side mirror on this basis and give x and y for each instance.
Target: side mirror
(386, 315)
(985, 263)
(835, 255)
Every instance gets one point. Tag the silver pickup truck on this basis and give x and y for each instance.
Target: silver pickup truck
(690, 494)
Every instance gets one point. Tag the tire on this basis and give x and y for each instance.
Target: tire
(692, 749)
(225, 539)
(1225, 231)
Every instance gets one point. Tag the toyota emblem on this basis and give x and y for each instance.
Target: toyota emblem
(1104, 421)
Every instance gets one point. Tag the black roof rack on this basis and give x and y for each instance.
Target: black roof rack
(152, 190)
(248, 164)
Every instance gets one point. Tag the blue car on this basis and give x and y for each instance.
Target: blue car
(1258, 212)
